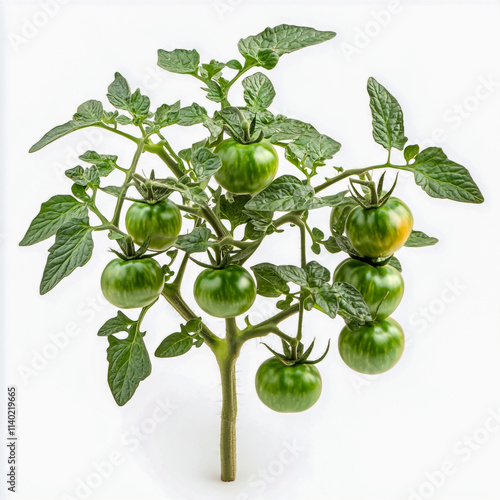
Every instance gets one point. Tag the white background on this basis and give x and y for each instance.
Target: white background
(368, 437)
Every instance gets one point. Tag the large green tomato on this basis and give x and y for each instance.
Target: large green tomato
(382, 287)
(160, 221)
(374, 348)
(132, 283)
(287, 389)
(379, 232)
(246, 168)
(225, 293)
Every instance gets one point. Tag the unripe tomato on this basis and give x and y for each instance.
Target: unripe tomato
(160, 221)
(132, 283)
(225, 293)
(246, 168)
(382, 287)
(287, 389)
(374, 348)
(379, 232)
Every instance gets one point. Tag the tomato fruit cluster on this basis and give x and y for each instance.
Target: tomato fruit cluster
(375, 232)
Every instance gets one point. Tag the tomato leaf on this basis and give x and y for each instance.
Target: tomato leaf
(175, 344)
(120, 323)
(327, 299)
(388, 126)
(259, 91)
(72, 248)
(420, 239)
(129, 364)
(120, 97)
(179, 60)
(352, 306)
(316, 274)
(192, 115)
(269, 280)
(104, 163)
(84, 177)
(167, 115)
(340, 214)
(205, 163)
(214, 91)
(282, 129)
(89, 113)
(440, 177)
(282, 39)
(410, 152)
(232, 210)
(394, 262)
(53, 214)
(198, 240)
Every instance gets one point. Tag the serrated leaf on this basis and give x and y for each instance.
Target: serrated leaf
(175, 344)
(316, 274)
(198, 240)
(179, 60)
(53, 214)
(167, 115)
(72, 248)
(233, 210)
(214, 91)
(269, 280)
(440, 177)
(258, 91)
(294, 274)
(89, 113)
(327, 299)
(387, 117)
(420, 239)
(410, 152)
(139, 105)
(192, 115)
(288, 193)
(120, 323)
(352, 306)
(205, 163)
(105, 163)
(282, 39)
(282, 129)
(119, 92)
(84, 177)
(212, 68)
(394, 262)
(129, 364)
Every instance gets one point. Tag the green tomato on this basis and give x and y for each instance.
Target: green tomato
(132, 283)
(382, 287)
(374, 348)
(160, 221)
(287, 389)
(246, 168)
(379, 232)
(225, 293)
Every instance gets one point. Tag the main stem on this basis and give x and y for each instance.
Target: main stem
(227, 365)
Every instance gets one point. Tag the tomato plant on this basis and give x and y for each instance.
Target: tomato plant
(374, 347)
(287, 389)
(246, 168)
(382, 287)
(160, 222)
(132, 283)
(226, 292)
(228, 192)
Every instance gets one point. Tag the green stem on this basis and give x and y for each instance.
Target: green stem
(348, 173)
(123, 193)
(268, 326)
(119, 132)
(226, 359)
(180, 273)
(225, 102)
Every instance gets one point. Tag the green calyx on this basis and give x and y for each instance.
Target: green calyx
(295, 354)
(376, 196)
